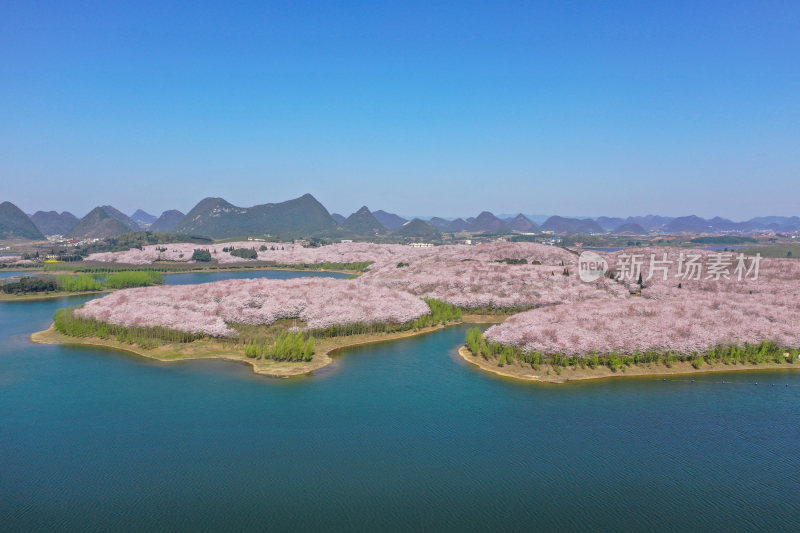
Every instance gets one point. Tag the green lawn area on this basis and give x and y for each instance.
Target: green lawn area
(777, 250)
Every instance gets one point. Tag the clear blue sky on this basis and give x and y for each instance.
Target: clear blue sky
(428, 108)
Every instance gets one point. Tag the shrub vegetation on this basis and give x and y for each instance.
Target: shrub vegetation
(83, 282)
(287, 346)
(244, 253)
(201, 254)
(133, 278)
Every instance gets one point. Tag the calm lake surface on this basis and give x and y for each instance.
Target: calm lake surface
(8, 274)
(205, 277)
(395, 436)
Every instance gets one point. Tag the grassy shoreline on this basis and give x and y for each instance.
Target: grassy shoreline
(547, 374)
(326, 348)
(35, 297)
(38, 296)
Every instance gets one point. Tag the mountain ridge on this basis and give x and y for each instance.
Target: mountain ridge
(143, 218)
(219, 219)
(97, 224)
(15, 224)
(363, 222)
(417, 228)
(122, 217)
(167, 222)
(389, 220)
(53, 222)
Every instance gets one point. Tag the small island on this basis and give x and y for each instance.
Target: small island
(273, 344)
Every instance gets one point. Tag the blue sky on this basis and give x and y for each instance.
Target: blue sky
(419, 108)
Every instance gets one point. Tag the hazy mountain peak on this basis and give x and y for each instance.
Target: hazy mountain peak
(363, 222)
(299, 217)
(53, 223)
(15, 224)
(389, 220)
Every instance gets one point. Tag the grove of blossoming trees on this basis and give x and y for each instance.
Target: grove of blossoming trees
(686, 325)
(208, 308)
(481, 284)
(674, 312)
(287, 253)
(281, 253)
(468, 276)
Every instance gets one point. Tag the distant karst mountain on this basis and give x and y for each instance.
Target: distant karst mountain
(449, 226)
(775, 223)
(53, 223)
(695, 224)
(363, 222)
(630, 227)
(487, 222)
(122, 217)
(216, 218)
(143, 218)
(650, 222)
(389, 220)
(522, 223)
(692, 223)
(167, 222)
(558, 224)
(306, 217)
(417, 229)
(15, 224)
(610, 223)
(98, 224)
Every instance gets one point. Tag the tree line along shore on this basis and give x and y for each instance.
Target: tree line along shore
(514, 361)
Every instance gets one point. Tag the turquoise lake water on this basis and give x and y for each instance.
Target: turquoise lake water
(401, 435)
